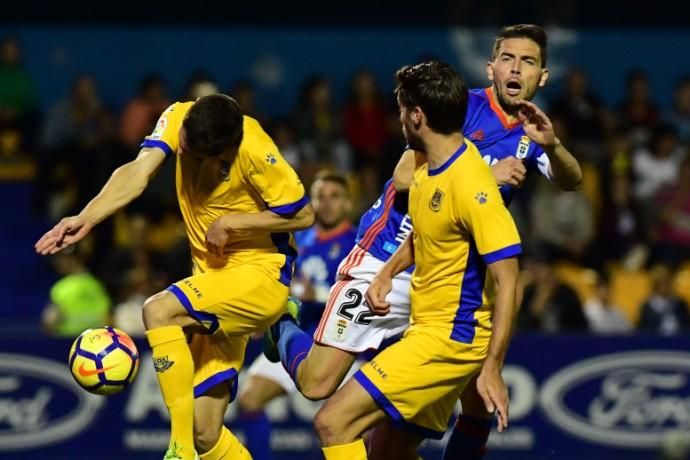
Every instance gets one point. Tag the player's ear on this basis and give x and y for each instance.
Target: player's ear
(490, 70)
(544, 77)
(417, 116)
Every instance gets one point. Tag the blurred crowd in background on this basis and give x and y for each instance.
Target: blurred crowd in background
(611, 258)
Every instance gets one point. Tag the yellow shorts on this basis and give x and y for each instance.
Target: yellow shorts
(418, 380)
(231, 304)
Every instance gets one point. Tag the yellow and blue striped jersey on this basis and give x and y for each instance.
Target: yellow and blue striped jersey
(460, 226)
(259, 178)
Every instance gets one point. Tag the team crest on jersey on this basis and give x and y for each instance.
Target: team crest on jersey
(160, 128)
(271, 158)
(481, 198)
(341, 330)
(224, 170)
(334, 251)
(523, 147)
(435, 202)
(478, 135)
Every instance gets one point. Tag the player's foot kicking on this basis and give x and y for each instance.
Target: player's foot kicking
(272, 334)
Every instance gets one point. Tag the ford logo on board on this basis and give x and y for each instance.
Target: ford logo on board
(40, 404)
(628, 400)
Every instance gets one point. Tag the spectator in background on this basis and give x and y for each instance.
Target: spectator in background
(673, 226)
(583, 113)
(638, 113)
(318, 126)
(365, 128)
(679, 116)
(603, 316)
(139, 284)
(199, 84)
(243, 92)
(562, 223)
(656, 168)
(74, 121)
(548, 305)
(364, 120)
(301, 157)
(17, 90)
(140, 114)
(621, 226)
(663, 312)
(78, 301)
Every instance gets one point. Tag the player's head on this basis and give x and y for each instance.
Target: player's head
(212, 126)
(330, 197)
(431, 97)
(518, 64)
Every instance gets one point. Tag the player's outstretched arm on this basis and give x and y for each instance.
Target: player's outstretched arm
(381, 285)
(490, 384)
(125, 184)
(564, 168)
(404, 170)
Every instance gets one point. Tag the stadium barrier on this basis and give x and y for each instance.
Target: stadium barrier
(572, 397)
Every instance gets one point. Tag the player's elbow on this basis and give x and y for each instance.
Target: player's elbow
(572, 181)
(305, 217)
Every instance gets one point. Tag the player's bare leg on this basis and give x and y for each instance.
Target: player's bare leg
(259, 392)
(322, 371)
(317, 370)
(166, 322)
(387, 441)
(343, 419)
(212, 439)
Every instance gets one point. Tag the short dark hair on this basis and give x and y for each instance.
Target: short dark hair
(438, 90)
(328, 175)
(531, 31)
(213, 124)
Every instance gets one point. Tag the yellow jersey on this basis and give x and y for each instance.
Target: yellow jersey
(460, 225)
(258, 179)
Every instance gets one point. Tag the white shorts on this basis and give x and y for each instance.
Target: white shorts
(347, 323)
(275, 372)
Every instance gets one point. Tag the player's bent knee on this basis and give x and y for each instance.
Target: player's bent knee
(249, 403)
(155, 314)
(206, 435)
(329, 424)
(163, 309)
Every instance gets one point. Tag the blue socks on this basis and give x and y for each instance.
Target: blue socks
(468, 439)
(293, 345)
(257, 429)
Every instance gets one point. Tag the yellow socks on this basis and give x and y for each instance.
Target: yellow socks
(228, 447)
(352, 451)
(175, 371)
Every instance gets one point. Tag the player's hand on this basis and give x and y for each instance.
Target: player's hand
(379, 288)
(69, 231)
(217, 236)
(492, 389)
(536, 124)
(509, 171)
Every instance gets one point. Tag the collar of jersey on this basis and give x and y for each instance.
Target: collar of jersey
(339, 230)
(449, 161)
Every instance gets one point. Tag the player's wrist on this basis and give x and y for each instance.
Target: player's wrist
(493, 363)
(551, 147)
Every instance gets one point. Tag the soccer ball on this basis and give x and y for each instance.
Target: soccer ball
(104, 361)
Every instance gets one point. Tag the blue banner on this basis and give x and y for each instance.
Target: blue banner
(278, 59)
(572, 397)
